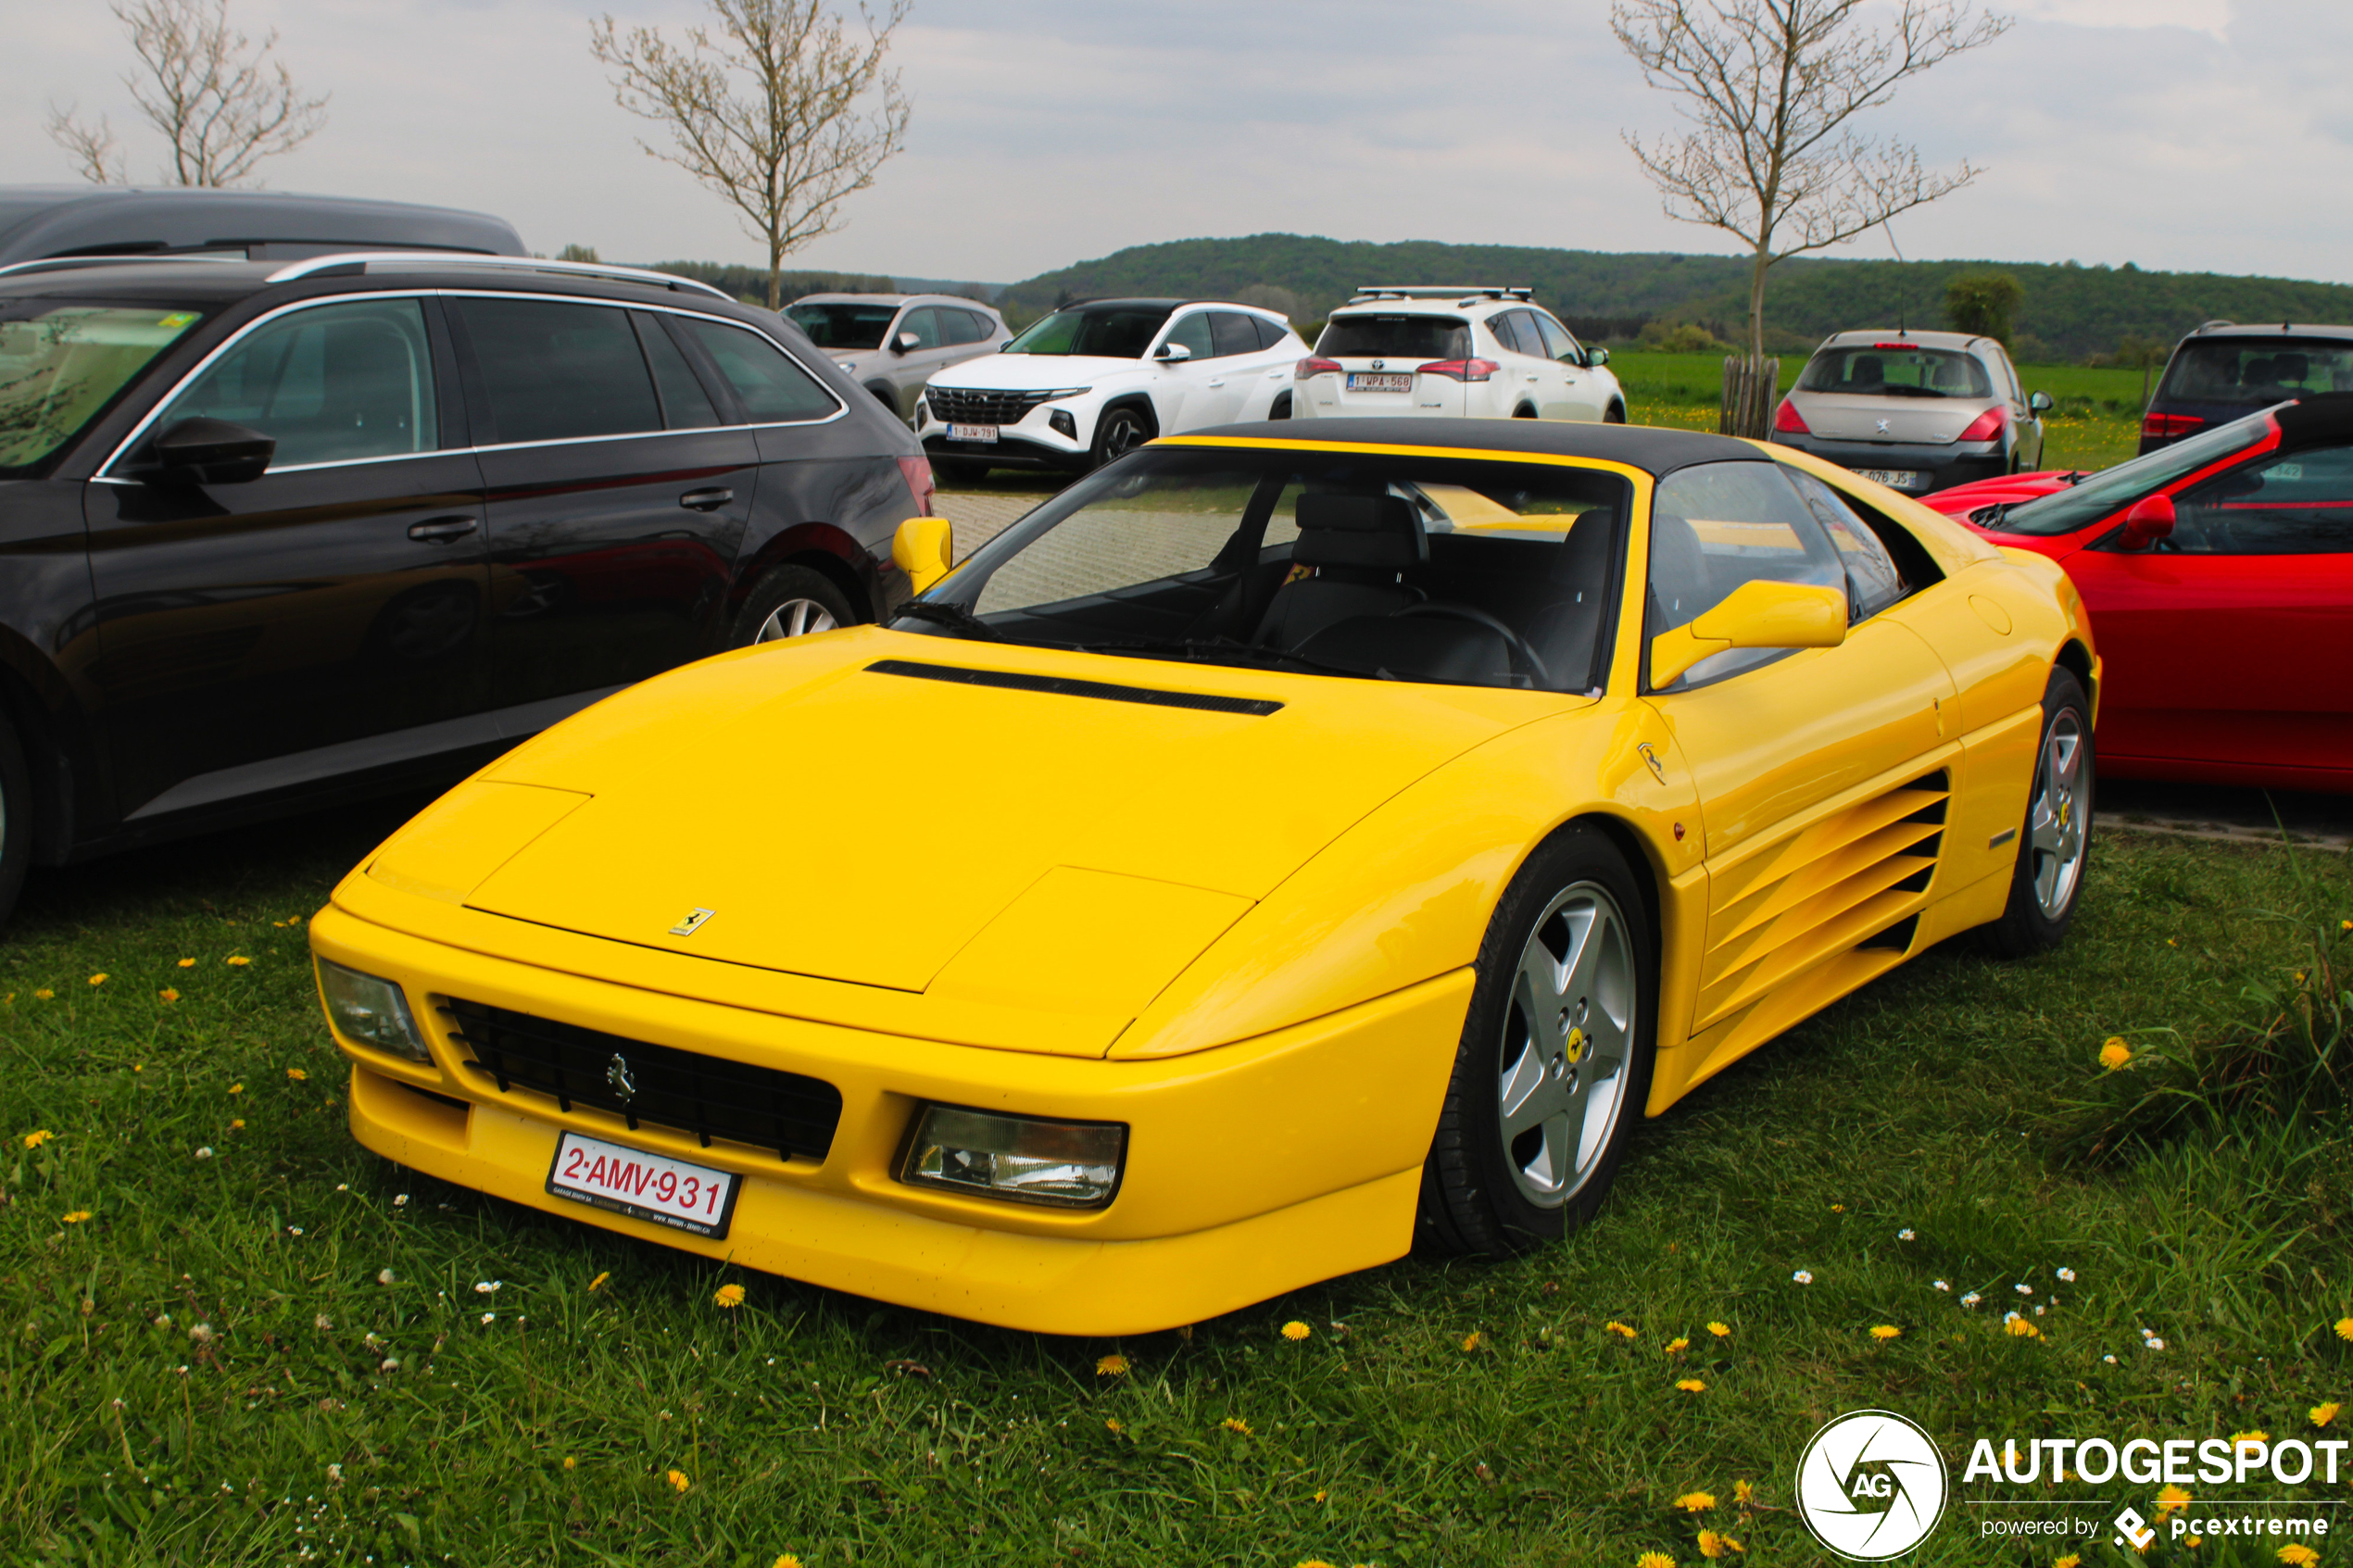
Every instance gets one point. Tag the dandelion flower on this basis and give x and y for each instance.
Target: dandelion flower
(1618, 1328)
(1113, 1365)
(1678, 1345)
(2172, 1500)
(2345, 1328)
(1837, 1208)
(1111, 1423)
(2256, 1435)
(785, 1560)
(730, 1296)
(238, 1125)
(1803, 1276)
(187, 964)
(99, 978)
(1654, 1559)
(1712, 1545)
(2022, 1328)
(599, 1282)
(40, 1135)
(1696, 1502)
(1472, 1341)
(238, 961)
(1690, 1386)
(2115, 1053)
(2323, 1413)
(2070, 1561)
(1296, 1330)
(1742, 1492)
(44, 993)
(236, 1088)
(1886, 1331)
(169, 994)
(2298, 1556)
(296, 1073)
(1314, 1563)
(77, 1216)
(1236, 1425)
(679, 1482)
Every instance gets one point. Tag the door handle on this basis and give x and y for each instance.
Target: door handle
(1531, 379)
(442, 530)
(1219, 381)
(705, 500)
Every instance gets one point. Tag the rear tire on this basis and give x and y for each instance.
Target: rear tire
(16, 818)
(1523, 412)
(2054, 842)
(1119, 432)
(791, 601)
(1615, 414)
(1554, 1061)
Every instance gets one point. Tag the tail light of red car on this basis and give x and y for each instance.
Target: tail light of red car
(1313, 366)
(2167, 426)
(1788, 422)
(1987, 426)
(1461, 369)
(916, 472)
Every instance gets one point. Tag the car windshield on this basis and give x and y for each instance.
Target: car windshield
(1110, 331)
(842, 326)
(62, 365)
(2256, 371)
(1367, 566)
(1395, 337)
(1895, 370)
(2080, 506)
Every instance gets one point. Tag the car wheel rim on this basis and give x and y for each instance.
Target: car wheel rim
(1567, 1033)
(795, 618)
(1122, 437)
(2054, 827)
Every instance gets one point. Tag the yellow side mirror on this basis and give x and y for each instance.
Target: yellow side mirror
(1759, 614)
(922, 548)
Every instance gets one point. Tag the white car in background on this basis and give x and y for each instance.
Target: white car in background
(893, 344)
(1092, 381)
(1452, 353)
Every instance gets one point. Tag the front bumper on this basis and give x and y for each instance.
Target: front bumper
(1252, 1169)
(1008, 452)
(1939, 467)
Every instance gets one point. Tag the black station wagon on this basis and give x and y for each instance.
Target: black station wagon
(273, 533)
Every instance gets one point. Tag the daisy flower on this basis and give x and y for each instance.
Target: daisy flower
(1803, 1276)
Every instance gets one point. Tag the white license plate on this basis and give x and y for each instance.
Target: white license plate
(1895, 479)
(971, 432)
(642, 1185)
(1365, 380)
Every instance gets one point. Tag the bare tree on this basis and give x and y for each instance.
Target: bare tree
(220, 99)
(785, 151)
(1770, 87)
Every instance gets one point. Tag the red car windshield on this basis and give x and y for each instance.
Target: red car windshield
(2080, 506)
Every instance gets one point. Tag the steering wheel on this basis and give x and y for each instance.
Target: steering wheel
(1520, 651)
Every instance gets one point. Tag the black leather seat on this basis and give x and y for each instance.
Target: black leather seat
(1357, 545)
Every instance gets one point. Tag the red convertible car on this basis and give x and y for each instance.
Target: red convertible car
(2219, 574)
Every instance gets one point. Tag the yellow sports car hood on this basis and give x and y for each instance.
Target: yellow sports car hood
(927, 814)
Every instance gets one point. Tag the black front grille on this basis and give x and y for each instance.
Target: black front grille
(957, 405)
(707, 1096)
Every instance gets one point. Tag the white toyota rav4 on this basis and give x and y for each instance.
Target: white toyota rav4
(1093, 380)
(1460, 353)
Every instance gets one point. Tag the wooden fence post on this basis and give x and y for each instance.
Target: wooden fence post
(1751, 388)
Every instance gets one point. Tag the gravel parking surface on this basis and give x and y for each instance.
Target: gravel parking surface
(981, 515)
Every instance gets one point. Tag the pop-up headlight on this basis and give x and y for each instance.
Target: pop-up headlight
(1025, 1160)
(370, 1010)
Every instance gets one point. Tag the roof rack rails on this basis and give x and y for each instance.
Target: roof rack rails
(2207, 326)
(1428, 291)
(371, 260)
(75, 263)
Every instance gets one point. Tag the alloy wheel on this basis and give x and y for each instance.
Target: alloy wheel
(1568, 1035)
(1122, 432)
(2055, 826)
(795, 618)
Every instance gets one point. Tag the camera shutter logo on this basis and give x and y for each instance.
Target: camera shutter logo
(1872, 1485)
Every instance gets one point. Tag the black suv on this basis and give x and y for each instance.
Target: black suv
(2223, 371)
(276, 534)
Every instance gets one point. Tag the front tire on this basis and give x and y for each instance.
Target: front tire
(2054, 842)
(1118, 433)
(791, 601)
(1554, 1060)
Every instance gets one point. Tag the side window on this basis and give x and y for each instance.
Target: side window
(1193, 333)
(925, 324)
(1270, 333)
(333, 383)
(1558, 345)
(557, 372)
(685, 404)
(1716, 526)
(1506, 327)
(2300, 504)
(971, 326)
(1233, 333)
(773, 387)
(1873, 580)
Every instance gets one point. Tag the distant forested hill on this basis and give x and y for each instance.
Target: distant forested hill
(2069, 312)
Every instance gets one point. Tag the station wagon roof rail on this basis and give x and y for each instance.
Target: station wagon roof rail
(74, 263)
(372, 260)
(1422, 291)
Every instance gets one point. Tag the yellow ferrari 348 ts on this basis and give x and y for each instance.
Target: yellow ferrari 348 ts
(1268, 856)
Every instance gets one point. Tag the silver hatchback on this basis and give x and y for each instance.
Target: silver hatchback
(893, 344)
(1916, 411)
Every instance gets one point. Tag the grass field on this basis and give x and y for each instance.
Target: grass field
(232, 1337)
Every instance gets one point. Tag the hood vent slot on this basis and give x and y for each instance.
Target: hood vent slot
(1063, 686)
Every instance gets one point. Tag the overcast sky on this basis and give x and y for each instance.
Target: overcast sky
(2180, 134)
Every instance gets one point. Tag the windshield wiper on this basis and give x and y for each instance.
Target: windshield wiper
(941, 613)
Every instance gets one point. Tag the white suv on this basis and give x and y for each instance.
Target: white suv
(1094, 380)
(1459, 353)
